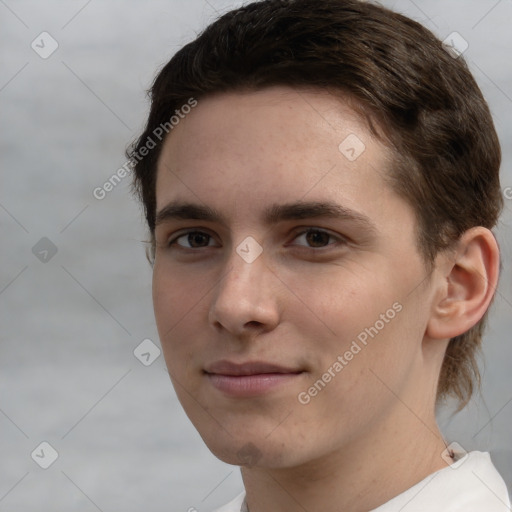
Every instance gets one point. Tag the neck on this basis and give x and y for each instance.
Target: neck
(380, 465)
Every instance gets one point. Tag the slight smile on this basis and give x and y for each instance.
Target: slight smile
(248, 379)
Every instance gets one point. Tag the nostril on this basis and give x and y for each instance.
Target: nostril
(254, 324)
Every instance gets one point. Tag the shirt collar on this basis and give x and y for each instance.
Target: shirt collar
(471, 482)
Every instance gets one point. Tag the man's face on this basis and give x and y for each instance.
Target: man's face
(252, 311)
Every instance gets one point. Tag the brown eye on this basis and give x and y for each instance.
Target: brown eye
(317, 238)
(195, 239)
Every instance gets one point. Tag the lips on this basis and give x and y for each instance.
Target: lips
(249, 368)
(249, 379)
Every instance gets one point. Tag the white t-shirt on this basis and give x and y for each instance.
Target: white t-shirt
(470, 484)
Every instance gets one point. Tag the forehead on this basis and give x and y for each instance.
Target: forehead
(274, 145)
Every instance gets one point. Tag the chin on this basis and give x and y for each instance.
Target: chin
(248, 451)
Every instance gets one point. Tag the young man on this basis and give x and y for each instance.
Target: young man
(320, 181)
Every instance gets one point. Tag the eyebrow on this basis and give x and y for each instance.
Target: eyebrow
(272, 215)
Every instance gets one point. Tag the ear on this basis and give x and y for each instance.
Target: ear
(467, 284)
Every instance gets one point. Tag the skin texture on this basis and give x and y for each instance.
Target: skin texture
(371, 432)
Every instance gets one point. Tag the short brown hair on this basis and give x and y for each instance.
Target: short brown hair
(426, 103)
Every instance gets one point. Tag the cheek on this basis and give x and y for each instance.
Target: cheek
(358, 317)
(177, 300)
(339, 301)
(176, 293)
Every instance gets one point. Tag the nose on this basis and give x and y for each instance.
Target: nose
(245, 300)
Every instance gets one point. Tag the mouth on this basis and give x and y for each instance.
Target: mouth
(251, 378)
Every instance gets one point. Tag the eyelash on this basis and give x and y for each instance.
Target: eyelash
(340, 239)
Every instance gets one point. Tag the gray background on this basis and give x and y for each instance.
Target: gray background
(69, 326)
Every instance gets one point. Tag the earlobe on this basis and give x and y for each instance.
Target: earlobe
(469, 285)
